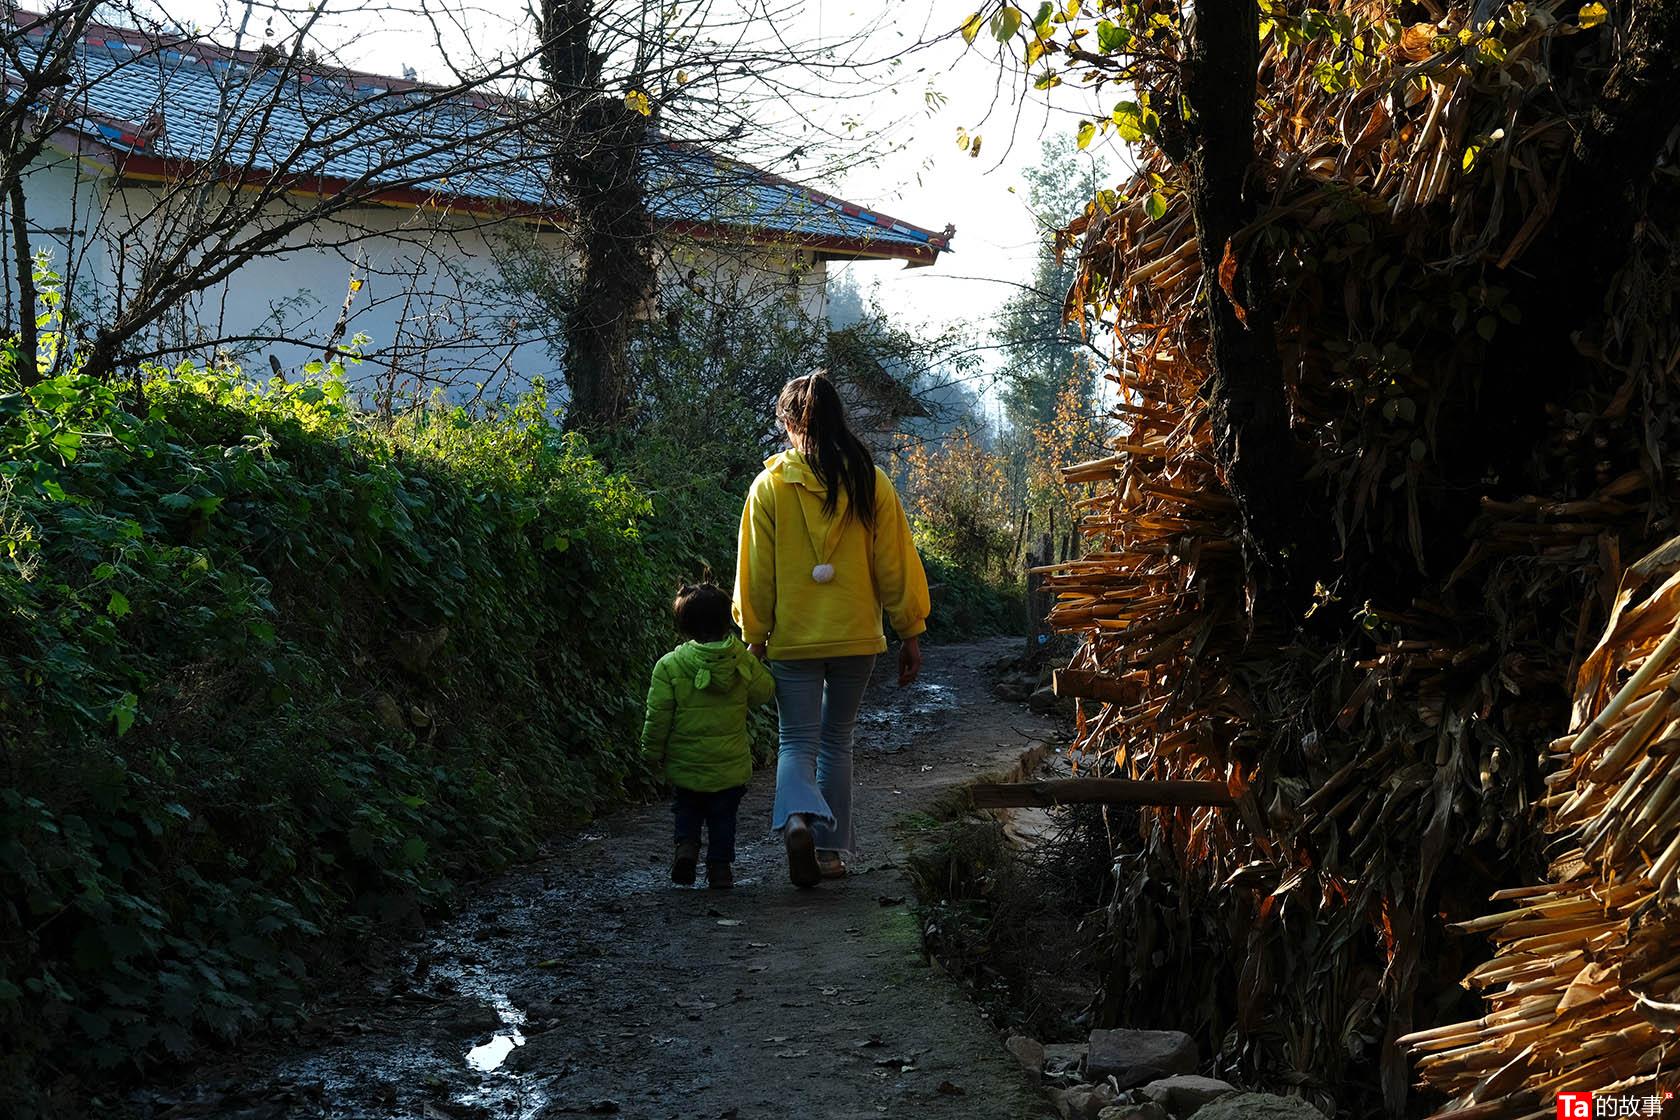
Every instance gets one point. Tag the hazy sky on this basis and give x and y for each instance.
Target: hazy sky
(914, 169)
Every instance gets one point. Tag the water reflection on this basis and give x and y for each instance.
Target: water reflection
(490, 1055)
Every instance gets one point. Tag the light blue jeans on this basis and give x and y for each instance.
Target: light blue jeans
(818, 701)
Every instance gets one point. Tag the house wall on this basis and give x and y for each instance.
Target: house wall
(64, 218)
(445, 300)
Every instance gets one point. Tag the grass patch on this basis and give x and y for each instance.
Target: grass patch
(1006, 921)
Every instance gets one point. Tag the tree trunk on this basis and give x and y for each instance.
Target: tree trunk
(1250, 414)
(598, 158)
(23, 264)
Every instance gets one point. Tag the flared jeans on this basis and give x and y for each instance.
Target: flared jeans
(818, 701)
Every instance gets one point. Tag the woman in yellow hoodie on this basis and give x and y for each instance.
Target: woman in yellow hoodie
(824, 549)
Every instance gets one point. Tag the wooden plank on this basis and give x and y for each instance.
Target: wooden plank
(1088, 685)
(1097, 791)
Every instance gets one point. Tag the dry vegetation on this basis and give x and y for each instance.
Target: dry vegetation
(1481, 454)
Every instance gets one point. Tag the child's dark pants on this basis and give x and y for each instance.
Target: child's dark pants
(714, 810)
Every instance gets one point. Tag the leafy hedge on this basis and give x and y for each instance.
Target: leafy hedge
(268, 670)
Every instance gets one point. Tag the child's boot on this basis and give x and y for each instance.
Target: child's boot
(720, 876)
(687, 859)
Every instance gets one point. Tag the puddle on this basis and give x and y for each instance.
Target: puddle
(489, 1056)
(892, 725)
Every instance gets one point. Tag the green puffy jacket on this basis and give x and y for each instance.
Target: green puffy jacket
(697, 713)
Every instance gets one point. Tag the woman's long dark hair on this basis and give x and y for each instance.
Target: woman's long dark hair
(811, 410)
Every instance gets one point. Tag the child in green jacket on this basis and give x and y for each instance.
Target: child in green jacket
(697, 725)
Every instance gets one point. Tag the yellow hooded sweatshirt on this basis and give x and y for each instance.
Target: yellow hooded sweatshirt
(784, 536)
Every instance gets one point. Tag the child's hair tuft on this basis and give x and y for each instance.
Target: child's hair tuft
(702, 611)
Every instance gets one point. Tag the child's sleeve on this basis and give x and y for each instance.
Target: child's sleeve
(656, 726)
(755, 564)
(898, 569)
(761, 686)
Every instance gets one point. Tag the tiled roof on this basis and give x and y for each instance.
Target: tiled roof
(153, 104)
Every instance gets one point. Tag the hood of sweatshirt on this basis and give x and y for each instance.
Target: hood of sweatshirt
(711, 665)
(822, 530)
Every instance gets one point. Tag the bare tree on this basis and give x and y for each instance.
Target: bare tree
(38, 55)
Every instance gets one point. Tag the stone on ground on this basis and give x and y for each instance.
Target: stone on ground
(1184, 1093)
(1082, 1102)
(1064, 1057)
(1029, 1052)
(1135, 1058)
(1148, 1110)
(1258, 1106)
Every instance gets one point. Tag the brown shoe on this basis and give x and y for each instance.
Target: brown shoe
(830, 865)
(801, 851)
(720, 876)
(687, 859)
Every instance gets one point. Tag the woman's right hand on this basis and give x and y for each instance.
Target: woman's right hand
(909, 661)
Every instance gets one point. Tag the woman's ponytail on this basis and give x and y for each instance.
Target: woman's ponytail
(810, 406)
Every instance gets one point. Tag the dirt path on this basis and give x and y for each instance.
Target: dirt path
(628, 996)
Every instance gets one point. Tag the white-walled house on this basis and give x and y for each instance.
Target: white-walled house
(455, 213)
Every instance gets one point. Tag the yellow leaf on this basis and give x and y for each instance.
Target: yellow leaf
(638, 102)
(971, 27)
(1035, 51)
(355, 286)
(1073, 9)
(1087, 133)
(1591, 15)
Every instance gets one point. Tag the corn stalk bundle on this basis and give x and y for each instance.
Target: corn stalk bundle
(1401, 728)
(1584, 990)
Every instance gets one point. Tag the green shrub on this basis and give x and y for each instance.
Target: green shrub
(967, 605)
(268, 670)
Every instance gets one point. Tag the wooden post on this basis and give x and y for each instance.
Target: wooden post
(1039, 601)
(1083, 684)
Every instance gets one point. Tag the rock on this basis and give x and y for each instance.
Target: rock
(1082, 1102)
(1185, 1093)
(1064, 1057)
(1042, 700)
(1138, 1057)
(1258, 1106)
(1148, 1110)
(1015, 687)
(1029, 1052)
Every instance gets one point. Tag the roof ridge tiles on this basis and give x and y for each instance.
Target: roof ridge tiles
(717, 195)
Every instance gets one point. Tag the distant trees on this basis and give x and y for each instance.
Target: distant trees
(1041, 353)
(1047, 370)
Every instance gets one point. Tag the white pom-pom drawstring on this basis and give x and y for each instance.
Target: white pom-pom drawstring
(823, 573)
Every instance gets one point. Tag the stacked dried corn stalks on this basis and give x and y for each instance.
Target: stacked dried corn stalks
(1587, 975)
(1362, 764)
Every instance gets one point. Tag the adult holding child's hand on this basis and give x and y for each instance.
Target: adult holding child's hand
(825, 548)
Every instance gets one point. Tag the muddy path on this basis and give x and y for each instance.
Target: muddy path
(586, 983)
